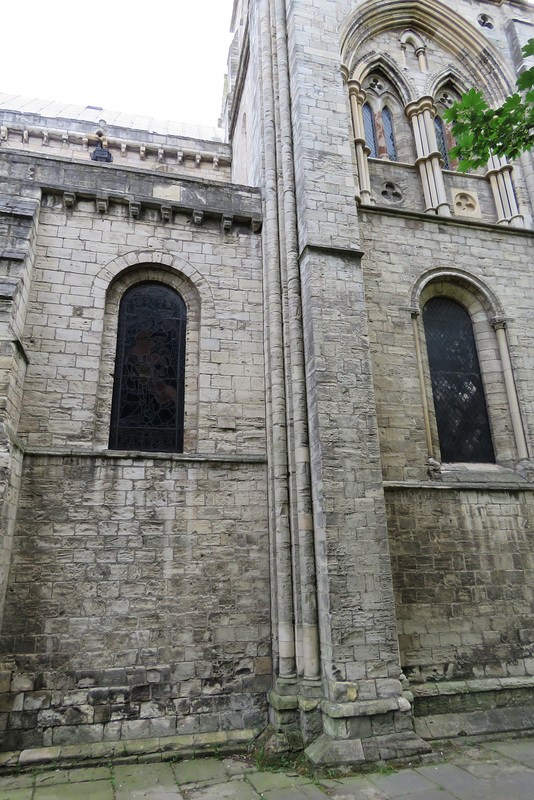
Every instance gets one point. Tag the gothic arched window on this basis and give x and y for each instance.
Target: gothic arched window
(388, 133)
(369, 129)
(459, 401)
(442, 141)
(148, 392)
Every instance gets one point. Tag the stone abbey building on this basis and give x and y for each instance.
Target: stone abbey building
(267, 418)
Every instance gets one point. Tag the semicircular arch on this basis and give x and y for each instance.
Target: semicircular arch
(137, 260)
(440, 281)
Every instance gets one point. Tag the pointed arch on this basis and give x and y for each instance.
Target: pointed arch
(382, 62)
(430, 18)
(449, 74)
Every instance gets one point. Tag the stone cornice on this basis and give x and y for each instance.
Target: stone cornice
(108, 183)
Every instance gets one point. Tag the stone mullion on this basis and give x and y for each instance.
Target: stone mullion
(381, 137)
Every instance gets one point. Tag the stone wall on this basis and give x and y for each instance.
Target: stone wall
(492, 256)
(132, 608)
(463, 562)
(460, 535)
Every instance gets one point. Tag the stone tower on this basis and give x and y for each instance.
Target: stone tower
(267, 406)
(391, 525)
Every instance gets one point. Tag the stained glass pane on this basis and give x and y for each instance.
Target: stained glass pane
(442, 144)
(369, 128)
(148, 393)
(461, 413)
(388, 132)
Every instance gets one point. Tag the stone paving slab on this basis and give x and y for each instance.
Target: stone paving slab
(522, 750)
(16, 794)
(16, 781)
(232, 790)
(200, 771)
(402, 783)
(91, 790)
(146, 780)
(266, 781)
(457, 781)
(496, 771)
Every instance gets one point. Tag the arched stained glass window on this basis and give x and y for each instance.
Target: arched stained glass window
(461, 413)
(388, 132)
(148, 393)
(369, 129)
(442, 142)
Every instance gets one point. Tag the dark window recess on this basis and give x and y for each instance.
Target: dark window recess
(461, 413)
(369, 130)
(442, 142)
(148, 394)
(388, 132)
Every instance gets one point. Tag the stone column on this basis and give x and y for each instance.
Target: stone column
(421, 115)
(500, 176)
(511, 391)
(357, 99)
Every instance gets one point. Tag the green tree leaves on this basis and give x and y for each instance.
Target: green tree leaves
(505, 131)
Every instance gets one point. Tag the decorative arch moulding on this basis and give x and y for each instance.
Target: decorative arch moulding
(437, 22)
(460, 278)
(136, 261)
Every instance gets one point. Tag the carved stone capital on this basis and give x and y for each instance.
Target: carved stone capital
(355, 90)
(425, 103)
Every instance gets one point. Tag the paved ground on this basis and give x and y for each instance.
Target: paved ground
(496, 771)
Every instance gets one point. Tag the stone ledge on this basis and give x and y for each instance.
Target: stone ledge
(134, 750)
(12, 255)
(136, 455)
(487, 486)
(364, 708)
(440, 220)
(18, 207)
(476, 723)
(447, 688)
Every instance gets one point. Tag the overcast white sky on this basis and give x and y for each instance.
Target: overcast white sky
(162, 58)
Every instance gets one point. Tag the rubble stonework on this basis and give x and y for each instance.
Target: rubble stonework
(308, 560)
